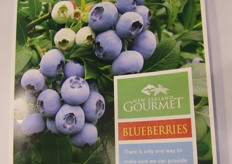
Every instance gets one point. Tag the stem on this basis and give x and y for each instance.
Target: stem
(39, 50)
(186, 31)
(38, 21)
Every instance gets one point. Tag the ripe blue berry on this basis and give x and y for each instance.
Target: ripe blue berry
(129, 25)
(75, 90)
(51, 125)
(145, 44)
(124, 6)
(70, 119)
(33, 123)
(62, 12)
(93, 86)
(140, 2)
(108, 45)
(48, 102)
(127, 62)
(74, 68)
(65, 38)
(86, 137)
(103, 16)
(33, 81)
(52, 63)
(94, 107)
(145, 13)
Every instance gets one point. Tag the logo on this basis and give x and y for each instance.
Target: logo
(155, 90)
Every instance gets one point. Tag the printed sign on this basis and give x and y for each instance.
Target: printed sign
(154, 118)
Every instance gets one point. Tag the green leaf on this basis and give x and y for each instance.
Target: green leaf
(199, 79)
(204, 111)
(55, 149)
(192, 35)
(31, 155)
(166, 56)
(91, 62)
(23, 56)
(172, 7)
(189, 14)
(22, 32)
(202, 149)
(207, 155)
(77, 26)
(182, 4)
(93, 154)
(35, 7)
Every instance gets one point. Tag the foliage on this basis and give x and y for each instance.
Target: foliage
(177, 25)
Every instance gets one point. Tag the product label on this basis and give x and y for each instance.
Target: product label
(154, 118)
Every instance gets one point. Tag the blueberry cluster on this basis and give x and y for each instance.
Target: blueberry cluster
(74, 111)
(118, 33)
(122, 36)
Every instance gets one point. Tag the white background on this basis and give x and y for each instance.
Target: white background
(219, 25)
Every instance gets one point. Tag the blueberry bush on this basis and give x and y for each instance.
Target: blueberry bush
(67, 53)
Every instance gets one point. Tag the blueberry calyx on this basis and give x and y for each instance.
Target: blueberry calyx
(40, 107)
(134, 3)
(62, 12)
(75, 83)
(63, 44)
(98, 49)
(69, 121)
(136, 28)
(100, 106)
(30, 87)
(60, 67)
(97, 13)
(89, 39)
(77, 14)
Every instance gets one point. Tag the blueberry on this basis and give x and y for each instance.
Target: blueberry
(129, 25)
(127, 62)
(74, 68)
(52, 63)
(145, 44)
(124, 6)
(65, 38)
(145, 13)
(103, 16)
(77, 14)
(75, 90)
(33, 81)
(70, 119)
(108, 45)
(197, 60)
(93, 86)
(85, 36)
(94, 107)
(62, 12)
(140, 2)
(33, 123)
(51, 125)
(48, 102)
(86, 137)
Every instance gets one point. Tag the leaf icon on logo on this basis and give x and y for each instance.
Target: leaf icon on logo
(160, 89)
(156, 90)
(148, 89)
